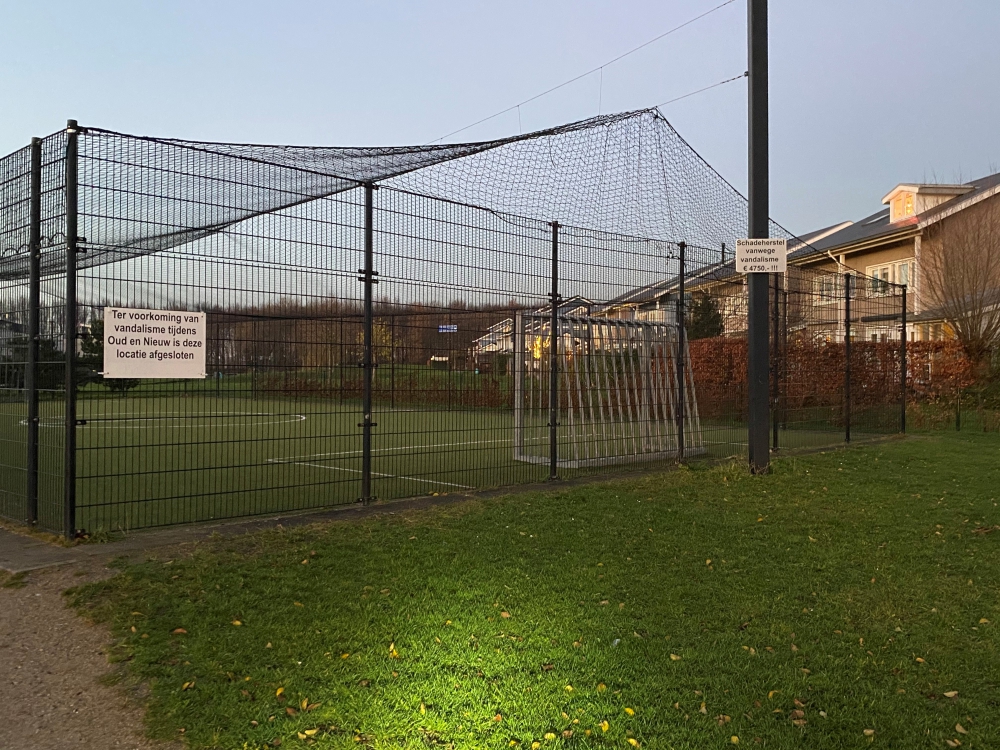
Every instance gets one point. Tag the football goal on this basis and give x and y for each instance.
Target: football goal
(617, 390)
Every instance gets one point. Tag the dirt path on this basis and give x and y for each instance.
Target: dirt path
(51, 662)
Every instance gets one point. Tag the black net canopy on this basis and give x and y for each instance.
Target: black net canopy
(628, 173)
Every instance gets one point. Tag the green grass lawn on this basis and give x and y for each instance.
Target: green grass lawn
(847, 600)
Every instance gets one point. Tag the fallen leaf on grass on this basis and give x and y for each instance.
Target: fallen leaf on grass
(953, 743)
(960, 729)
(279, 691)
(869, 732)
(630, 711)
(567, 734)
(734, 739)
(603, 725)
(187, 685)
(290, 711)
(423, 709)
(505, 615)
(178, 631)
(549, 736)
(237, 623)
(951, 694)
(393, 653)
(601, 687)
(722, 719)
(703, 710)
(633, 742)
(674, 657)
(498, 717)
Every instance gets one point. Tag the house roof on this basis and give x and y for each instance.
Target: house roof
(822, 241)
(658, 289)
(877, 225)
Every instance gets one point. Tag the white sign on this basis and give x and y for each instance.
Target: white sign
(761, 256)
(153, 343)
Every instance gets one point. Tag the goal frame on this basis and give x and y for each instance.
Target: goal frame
(617, 390)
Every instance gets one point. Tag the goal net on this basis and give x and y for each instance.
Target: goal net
(617, 385)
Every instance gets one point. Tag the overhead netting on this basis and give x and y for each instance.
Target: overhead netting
(628, 173)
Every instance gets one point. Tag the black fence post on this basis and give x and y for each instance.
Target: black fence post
(775, 357)
(902, 368)
(34, 319)
(554, 359)
(681, 271)
(783, 395)
(847, 357)
(368, 359)
(72, 240)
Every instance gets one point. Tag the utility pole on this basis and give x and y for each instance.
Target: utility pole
(758, 210)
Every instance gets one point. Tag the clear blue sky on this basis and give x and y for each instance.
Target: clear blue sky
(864, 93)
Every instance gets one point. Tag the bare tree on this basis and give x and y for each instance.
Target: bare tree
(961, 267)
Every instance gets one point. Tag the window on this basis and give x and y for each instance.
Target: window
(827, 289)
(882, 277)
(902, 206)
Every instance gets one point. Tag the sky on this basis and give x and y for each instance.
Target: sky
(865, 94)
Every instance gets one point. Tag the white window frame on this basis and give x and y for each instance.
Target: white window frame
(881, 277)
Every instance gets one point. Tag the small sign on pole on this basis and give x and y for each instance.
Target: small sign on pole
(153, 343)
(448, 328)
(761, 256)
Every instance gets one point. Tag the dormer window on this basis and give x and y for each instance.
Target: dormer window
(909, 200)
(902, 206)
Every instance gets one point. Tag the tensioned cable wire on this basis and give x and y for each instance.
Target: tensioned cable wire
(589, 72)
(706, 88)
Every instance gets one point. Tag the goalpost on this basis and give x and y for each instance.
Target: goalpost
(618, 391)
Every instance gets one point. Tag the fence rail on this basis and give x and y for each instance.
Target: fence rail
(366, 340)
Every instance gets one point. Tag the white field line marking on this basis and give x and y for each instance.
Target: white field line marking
(398, 448)
(402, 448)
(374, 473)
(178, 418)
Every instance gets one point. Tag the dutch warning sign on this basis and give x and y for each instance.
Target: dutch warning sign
(153, 343)
(761, 256)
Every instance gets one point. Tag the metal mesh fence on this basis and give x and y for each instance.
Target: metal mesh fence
(374, 341)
